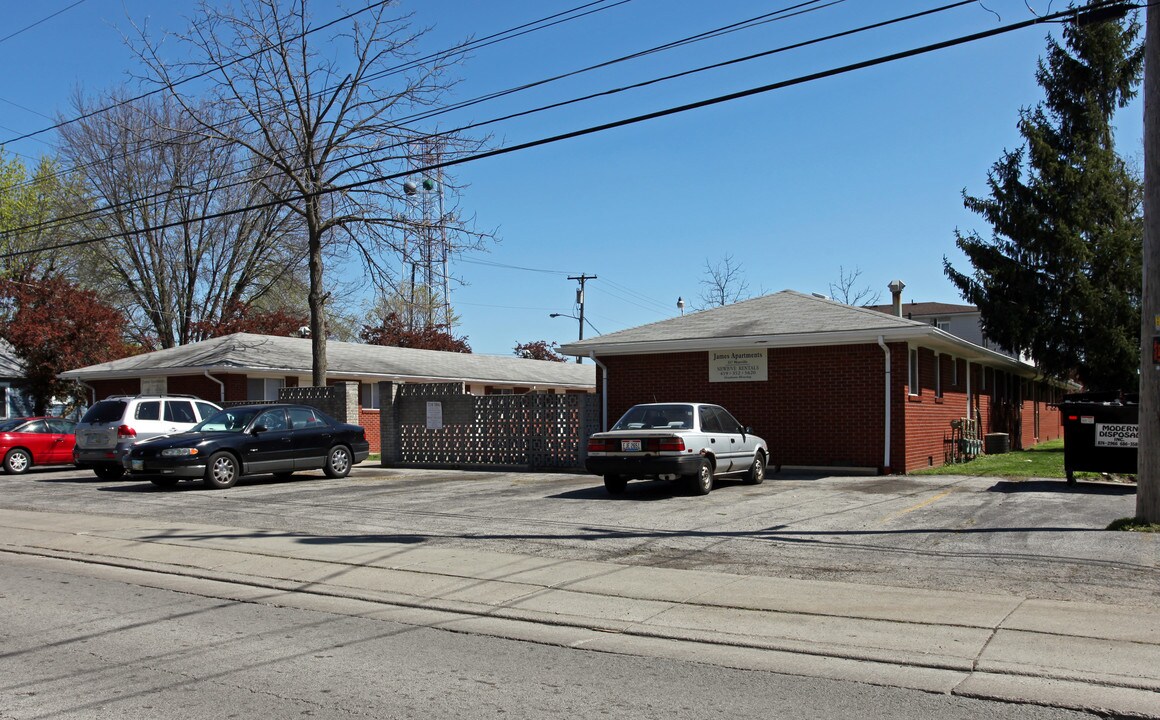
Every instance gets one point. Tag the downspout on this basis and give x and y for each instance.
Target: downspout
(221, 384)
(603, 391)
(886, 441)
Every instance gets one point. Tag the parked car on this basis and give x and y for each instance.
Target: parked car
(28, 441)
(111, 425)
(668, 441)
(251, 440)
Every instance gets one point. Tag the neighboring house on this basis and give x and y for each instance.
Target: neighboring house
(15, 400)
(245, 367)
(964, 321)
(825, 383)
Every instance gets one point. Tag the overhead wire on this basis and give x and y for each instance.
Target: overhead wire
(604, 127)
(716, 32)
(494, 38)
(508, 34)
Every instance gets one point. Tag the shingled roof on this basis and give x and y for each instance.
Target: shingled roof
(783, 319)
(265, 354)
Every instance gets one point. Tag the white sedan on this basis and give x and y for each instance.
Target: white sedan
(667, 441)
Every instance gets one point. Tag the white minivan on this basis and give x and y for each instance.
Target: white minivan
(111, 425)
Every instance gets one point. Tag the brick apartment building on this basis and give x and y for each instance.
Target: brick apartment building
(246, 367)
(828, 384)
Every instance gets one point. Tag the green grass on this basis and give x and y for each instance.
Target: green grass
(1134, 525)
(1044, 460)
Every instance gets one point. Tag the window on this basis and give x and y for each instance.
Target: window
(205, 409)
(148, 410)
(304, 418)
(710, 422)
(913, 380)
(273, 420)
(954, 372)
(264, 388)
(179, 411)
(370, 396)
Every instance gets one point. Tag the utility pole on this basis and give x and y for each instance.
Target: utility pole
(580, 301)
(1148, 449)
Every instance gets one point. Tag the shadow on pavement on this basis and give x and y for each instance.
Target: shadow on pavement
(1061, 486)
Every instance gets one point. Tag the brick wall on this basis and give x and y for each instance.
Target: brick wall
(369, 419)
(820, 405)
(823, 405)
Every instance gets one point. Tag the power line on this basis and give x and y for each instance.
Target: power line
(604, 127)
(56, 222)
(492, 39)
(38, 22)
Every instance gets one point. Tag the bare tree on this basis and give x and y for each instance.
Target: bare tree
(176, 263)
(843, 290)
(325, 114)
(723, 284)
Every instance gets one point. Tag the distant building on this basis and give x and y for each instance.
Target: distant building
(964, 321)
(16, 401)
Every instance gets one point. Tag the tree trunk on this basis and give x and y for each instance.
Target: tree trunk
(317, 301)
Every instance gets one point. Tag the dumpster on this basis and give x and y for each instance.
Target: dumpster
(1100, 433)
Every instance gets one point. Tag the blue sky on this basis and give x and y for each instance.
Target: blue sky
(862, 171)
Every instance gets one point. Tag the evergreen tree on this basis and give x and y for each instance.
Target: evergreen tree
(1060, 277)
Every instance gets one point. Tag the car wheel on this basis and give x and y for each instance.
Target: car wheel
(165, 482)
(756, 474)
(702, 482)
(108, 472)
(615, 484)
(17, 461)
(338, 462)
(222, 471)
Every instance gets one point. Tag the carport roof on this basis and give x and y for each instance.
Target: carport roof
(269, 354)
(783, 319)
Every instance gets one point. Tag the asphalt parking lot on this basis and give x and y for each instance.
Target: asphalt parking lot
(1042, 538)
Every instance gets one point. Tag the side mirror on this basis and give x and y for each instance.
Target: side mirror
(258, 429)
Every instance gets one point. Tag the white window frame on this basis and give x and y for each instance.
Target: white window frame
(373, 402)
(268, 384)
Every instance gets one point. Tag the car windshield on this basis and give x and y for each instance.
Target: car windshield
(226, 421)
(652, 417)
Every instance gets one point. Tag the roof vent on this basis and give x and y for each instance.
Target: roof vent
(896, 287)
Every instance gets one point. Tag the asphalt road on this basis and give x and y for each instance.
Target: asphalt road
(86, 642)
(1044, 539)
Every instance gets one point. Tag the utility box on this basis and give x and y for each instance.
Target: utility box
(1100, 433)
(996, 443)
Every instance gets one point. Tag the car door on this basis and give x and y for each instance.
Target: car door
(740, 446)
(37, 437)
(62, 440)
(268, 447)
(716, 440)
(312, 438)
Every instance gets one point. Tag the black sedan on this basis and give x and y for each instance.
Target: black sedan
(250, 440)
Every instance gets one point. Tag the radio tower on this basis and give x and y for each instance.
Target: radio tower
(425, 247)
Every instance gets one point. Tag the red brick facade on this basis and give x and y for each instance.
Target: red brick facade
(824, 405)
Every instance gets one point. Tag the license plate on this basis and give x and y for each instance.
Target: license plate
(630, 445)
(138, 464)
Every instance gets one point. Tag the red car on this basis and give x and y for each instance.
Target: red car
(28, 441)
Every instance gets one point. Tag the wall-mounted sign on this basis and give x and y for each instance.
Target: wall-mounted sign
(434, 416)
(738, 365)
